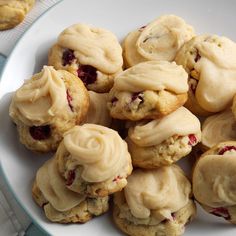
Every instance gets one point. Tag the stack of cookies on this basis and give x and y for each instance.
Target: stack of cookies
(119, 128)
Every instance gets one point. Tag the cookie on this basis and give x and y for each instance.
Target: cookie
(46, 106)
(163, 141)
(210, 61)
(59, 203)
(12, 12)
(98, 112)
(148, 90)
(94, 160)
(218, 128)
(93, 54)
(154, 203)
(214, 177)
(158, 40)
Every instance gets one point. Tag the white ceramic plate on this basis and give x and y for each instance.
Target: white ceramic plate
(30, 54)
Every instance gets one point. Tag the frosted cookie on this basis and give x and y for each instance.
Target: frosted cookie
(163, 141)
(148, 90)
(58, 202)
(214, 177)
(46, 106)
(12, 12)
(94, 160)
(218, 128)
(98, 112)
(93, 54)
(158, 40)
(154, 203)
(210, 61)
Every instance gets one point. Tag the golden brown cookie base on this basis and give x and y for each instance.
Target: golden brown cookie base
(13, 13)
(166, 153)
(82, 213)
(154, 105)
(166, 228)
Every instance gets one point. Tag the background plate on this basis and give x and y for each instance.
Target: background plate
(30, 54)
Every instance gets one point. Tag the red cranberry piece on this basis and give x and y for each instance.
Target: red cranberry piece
(70, 178)
(87, 73)
(69, 100)
(117, 178)
(114, 100)
(137, 95)
(221, 212)
(197, 57)
(225, 149)
(40, 132)
(192, 140)
(67, 57)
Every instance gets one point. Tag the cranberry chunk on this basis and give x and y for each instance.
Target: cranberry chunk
(114, 100)
(70, 178)
(67, 57)
(69, 100)
(137, 95)
(87, 73)
(225, 149)
(40, 132)
(192, 139)
(221, 212)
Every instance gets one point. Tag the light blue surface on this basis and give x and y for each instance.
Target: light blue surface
(32, 229)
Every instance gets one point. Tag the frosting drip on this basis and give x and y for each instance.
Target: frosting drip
(153, 75)
(41, 98)
(100, 150)
(180, 122)
(157, 192)
(93, 46)
(214, 180)
(53, 187)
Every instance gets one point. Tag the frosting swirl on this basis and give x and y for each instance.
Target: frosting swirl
(40, 98)
(180, 122)
(214, 180)
(218, 128)
(53, 187)
(98, 112)
(158, 192)
(100, 150)
(162, 38)
(93, 46)
(153, 75)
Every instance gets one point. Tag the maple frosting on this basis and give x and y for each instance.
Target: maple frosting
(217, 72)
(162, 38)
(100, 150)
(53, 187)
(157, 193)
(98, 112)
(218, 128)
(40, 98)
(214, 180)
(93, 46)
(153, 75)
(180, 122)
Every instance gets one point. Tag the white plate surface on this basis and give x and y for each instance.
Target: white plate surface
(30, 54)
